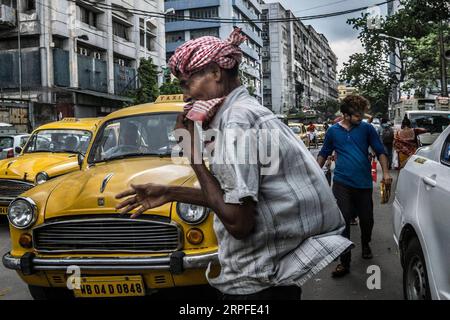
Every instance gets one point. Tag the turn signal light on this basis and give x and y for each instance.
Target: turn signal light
(26, 241)
(195, 236)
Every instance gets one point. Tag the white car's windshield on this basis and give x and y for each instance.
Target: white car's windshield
(6, 142)
(136, 136)
(296, 130)
(433, 123)
(59, 141)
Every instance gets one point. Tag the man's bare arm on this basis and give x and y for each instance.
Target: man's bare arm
(321, 161)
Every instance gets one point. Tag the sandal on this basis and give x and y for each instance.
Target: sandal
(340, 271)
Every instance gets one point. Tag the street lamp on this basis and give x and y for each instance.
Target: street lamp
(391, 37)
(170, 11)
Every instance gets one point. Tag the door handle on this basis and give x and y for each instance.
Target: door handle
(430, 182)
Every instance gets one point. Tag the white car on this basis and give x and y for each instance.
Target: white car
(422, 221)
(9, 144)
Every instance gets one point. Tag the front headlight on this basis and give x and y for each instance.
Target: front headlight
(22, 213)
(41, 177)
(192, 214)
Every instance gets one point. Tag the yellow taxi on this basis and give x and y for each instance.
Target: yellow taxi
(300, 130)
(320, 132)
(50, 152)
(69, 229)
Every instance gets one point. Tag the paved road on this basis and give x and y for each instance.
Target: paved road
(322, 287)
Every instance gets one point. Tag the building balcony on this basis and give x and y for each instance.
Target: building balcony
(172, 46)
(250, 33)
(124, 79)
(249, 51)
(92, 74)
(31, 69)
(190, 4)
(240, 5)
(190, 25)
(7, 17)
(252, 71)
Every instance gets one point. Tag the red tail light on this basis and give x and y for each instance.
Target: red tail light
(10, 154)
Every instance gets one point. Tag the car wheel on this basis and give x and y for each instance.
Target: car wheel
(415, 278)
(44, 293)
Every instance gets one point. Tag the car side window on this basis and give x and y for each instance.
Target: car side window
(445, 156)
(23, 141)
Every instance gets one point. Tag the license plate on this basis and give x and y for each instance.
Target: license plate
(108, 287)
(3, 210)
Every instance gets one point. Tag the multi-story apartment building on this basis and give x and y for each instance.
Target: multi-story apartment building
(346, 90)
(214, 18)
(299, 67)
(78, 58)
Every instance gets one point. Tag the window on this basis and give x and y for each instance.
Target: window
(177, 16)
(445, 158)
(121, 30)
(214, 32)
(87, 16)
(30, 5)
(205, 13)
(175, 37)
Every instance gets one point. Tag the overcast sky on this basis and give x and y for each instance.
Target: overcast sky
(342, 38)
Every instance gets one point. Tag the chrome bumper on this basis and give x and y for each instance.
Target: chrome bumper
(175, 263)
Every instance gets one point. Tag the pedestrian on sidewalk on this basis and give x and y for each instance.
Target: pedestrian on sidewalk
(274, 231)
(387, 137)
(353, 187)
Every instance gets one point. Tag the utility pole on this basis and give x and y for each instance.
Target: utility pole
(19, 46)
(444, 85)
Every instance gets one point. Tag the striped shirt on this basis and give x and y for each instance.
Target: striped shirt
(298, 224)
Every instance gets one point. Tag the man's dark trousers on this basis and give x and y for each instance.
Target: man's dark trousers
(355, 203)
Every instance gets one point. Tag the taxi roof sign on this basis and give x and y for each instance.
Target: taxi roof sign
(170, 98)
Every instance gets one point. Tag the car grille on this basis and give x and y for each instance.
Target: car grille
(10, 189)
(107, 235)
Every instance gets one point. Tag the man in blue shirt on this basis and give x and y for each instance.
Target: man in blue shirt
(353, 185)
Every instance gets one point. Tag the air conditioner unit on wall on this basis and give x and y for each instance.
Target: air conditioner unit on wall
(7, 16)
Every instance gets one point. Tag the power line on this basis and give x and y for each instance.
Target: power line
(322, 6)
(225, 20)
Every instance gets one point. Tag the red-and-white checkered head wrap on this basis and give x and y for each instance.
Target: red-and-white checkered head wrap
(196, 54)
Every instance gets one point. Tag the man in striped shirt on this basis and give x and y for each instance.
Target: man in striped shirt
(276, 222)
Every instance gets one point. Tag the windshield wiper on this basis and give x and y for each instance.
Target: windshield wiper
(66, 151)
(124, 156)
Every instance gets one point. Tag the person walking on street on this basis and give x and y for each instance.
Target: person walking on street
(274, 230)
(312, 135)
(387, 137)
(353, 186)
(405, 143)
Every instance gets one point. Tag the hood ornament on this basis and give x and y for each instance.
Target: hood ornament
(105, 182)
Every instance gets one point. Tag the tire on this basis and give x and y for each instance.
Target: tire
(415, 278)
(45, 293)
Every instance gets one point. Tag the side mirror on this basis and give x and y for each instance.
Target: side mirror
(18, 150)
(80, 160)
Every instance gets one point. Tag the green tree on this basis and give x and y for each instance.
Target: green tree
(171, 87)
(327, 108)
(417, 55)
(147, 75)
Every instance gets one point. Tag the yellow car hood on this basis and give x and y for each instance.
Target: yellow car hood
(27, 166)
(81, 192)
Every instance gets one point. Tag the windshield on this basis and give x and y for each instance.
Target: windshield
(59, 141)
(6, 142)
(433, 123)
(296, 130)
(143, 135)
